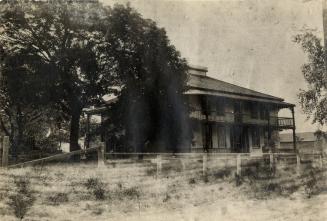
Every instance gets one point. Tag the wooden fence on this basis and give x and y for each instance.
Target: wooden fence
(236, 160)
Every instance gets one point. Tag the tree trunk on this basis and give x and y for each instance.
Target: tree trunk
(74, 130)
(15, 137)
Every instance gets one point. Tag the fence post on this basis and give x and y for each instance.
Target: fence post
(5, 151)
(159, 165)
(298, 164)
(320, 161)
(271, 160)
(1, 140)
(101, 156)
(183, 164)
(238, 164)
(204, 164)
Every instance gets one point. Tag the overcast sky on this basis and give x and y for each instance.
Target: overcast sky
(245, 42)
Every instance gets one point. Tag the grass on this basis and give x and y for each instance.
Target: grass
(86, 192)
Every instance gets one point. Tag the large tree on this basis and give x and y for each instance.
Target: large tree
(151, 108)
(64, 46)
(314, 99)
(20, 106)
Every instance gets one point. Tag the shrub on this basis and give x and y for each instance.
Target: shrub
(167, 197)
(22, 199)
(96, 187)
(221, 174)
(192, 181)
(310, 185)
(272, 187)
(58, 198)
(131, 192)
(238, 180)
(205, 178)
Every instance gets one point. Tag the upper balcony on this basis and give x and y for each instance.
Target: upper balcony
(244, 119)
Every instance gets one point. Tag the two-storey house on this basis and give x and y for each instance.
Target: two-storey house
(228, 118)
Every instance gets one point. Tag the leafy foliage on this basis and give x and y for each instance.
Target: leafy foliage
(60, 58)
(152, 76)
(314, 99)
(63, 47)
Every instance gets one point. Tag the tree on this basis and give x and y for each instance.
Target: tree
(19, 99)
(314, 99)
(151, 107)
(64, 46)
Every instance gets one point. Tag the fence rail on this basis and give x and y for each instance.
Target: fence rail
(159, 160)
(240, 159)
(54, 157)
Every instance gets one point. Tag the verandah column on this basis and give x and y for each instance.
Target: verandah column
(294, 135)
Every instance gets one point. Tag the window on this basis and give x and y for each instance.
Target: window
(254, 110)
(263, 112)
(220, 106)
(256, 137)
(221, 130)
(203, 101)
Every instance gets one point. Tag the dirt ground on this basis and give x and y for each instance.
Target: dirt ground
(134, 192)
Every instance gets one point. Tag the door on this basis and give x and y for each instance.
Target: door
(235, 139)
(207, 136)
(239, 139)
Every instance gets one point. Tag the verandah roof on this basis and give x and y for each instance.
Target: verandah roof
(204, 85)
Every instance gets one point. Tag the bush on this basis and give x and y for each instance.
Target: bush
(272, 187)
(238, 180)
(22, 199)
(310, 185)
(192, 181)
(96, 187)
(58, 199)
(222, 173)
(131, 192)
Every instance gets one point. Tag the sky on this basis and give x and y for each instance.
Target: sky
(244, 42)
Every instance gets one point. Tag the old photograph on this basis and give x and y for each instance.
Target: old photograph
(163, 110)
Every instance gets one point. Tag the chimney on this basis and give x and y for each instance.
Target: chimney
(198, 70)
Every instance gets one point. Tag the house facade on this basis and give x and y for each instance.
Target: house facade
(231, 119)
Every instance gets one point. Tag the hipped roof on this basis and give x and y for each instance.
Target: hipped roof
(204, 85)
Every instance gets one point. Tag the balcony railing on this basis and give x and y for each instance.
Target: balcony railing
(226, 117)
(282, 122)
(230, 117)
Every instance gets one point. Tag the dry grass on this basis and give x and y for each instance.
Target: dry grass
(131, 192)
